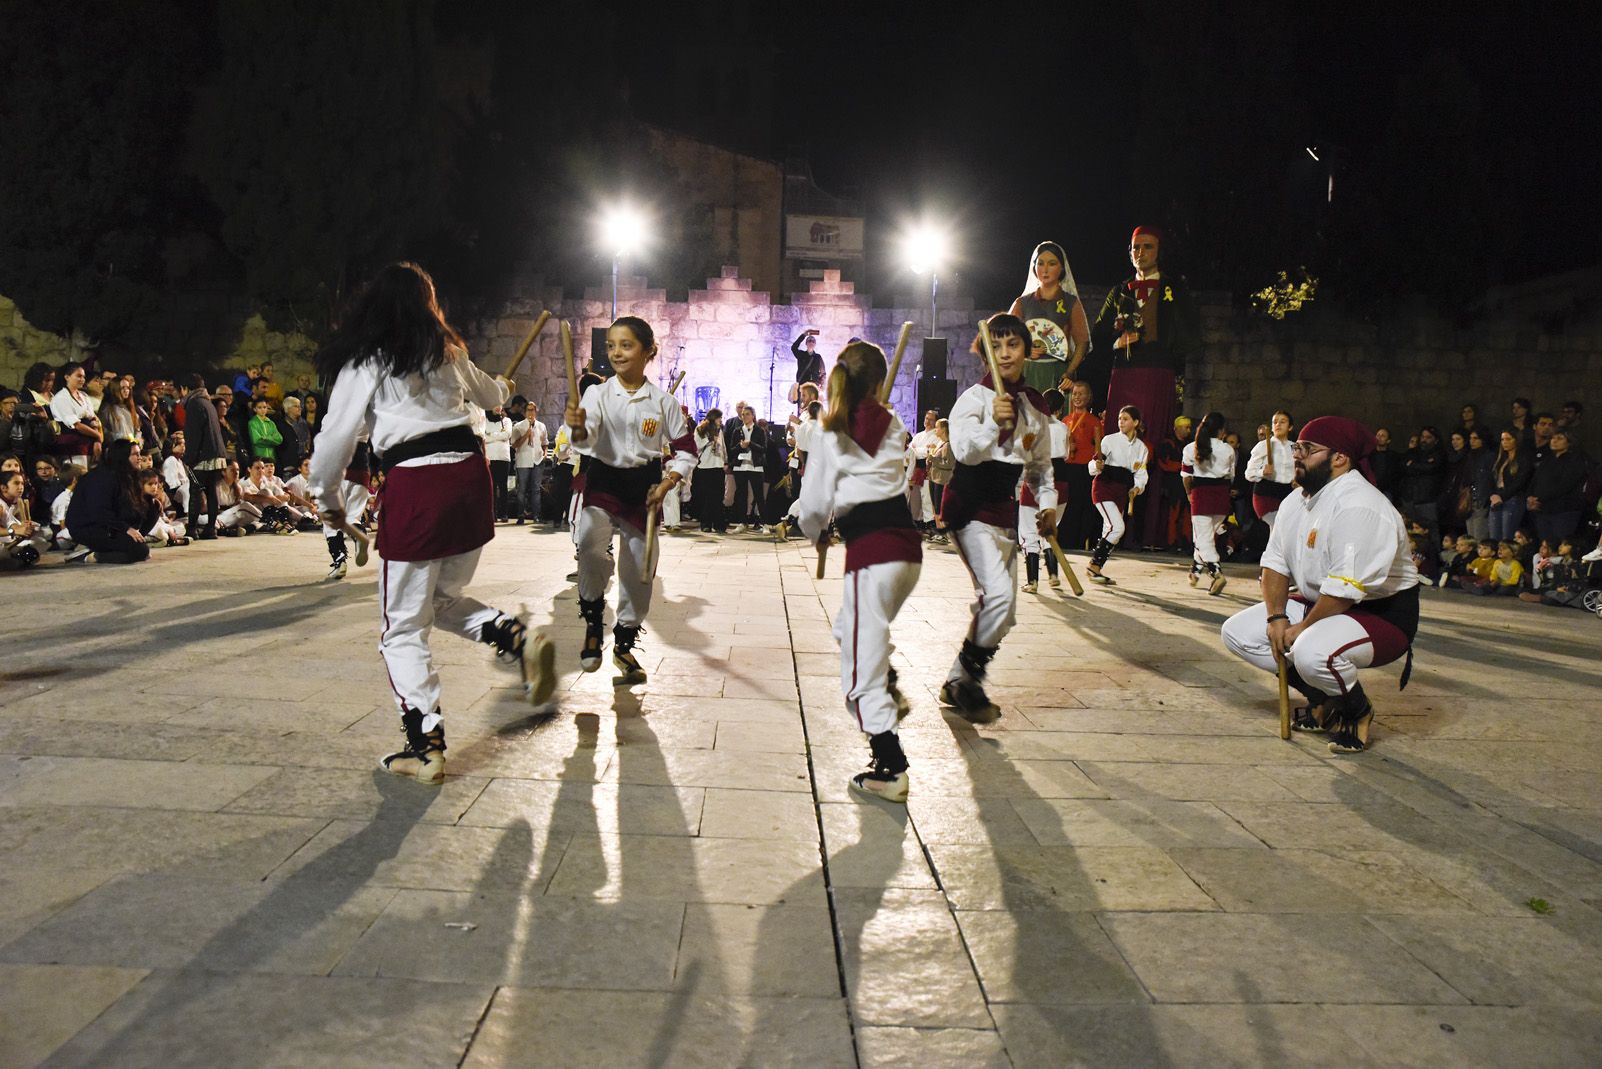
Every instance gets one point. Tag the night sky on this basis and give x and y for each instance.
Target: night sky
(1021, 136)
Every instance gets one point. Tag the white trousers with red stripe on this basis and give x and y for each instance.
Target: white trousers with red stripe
(873, 596)
(1327, 655)
(414, 596)
(595, 530)
(1112, 520)
(1204, 532)
(991, 555)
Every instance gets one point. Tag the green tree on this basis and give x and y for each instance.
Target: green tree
(322, 141)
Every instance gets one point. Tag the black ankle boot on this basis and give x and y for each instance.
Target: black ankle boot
(1032, 568)
(623, 638)
(886, 778)
(594, 632)
(1098, 558)
(424, 755)
(1311, 717)
(1349, 720)
(967, 694)
(507, 634)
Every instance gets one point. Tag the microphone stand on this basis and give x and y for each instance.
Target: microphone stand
(773, 360)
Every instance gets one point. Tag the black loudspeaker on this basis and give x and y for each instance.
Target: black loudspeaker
(598, 361)
(934, 358)
(938, 394)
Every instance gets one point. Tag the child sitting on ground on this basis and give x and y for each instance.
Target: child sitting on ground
(1478, 577)
(1507, 574)
(1453, 570)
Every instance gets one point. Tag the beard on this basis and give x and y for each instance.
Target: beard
(1313, 477)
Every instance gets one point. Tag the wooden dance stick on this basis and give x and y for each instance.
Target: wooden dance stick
(1067, 569)
(823, 553)
(522, 350)
(990, 358)
(895, 363)
(1284, 700)
(356, 535)
(651, 540)
(567, 360)
(677, 382)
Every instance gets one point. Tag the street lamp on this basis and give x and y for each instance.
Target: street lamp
(622, 229)
(926, 248)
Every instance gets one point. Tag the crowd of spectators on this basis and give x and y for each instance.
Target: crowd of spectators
(99, 466)
(1493, 507)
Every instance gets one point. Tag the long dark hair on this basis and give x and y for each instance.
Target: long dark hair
(1212, 425)
(395, 319)
(119, 459)
(35, 376)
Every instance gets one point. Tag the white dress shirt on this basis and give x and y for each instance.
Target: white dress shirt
(840, 475)
(629, 430)
(976, 438)
(1347, 541)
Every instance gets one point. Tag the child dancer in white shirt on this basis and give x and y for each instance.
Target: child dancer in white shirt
(999, 434)
(399, 373)
(621, 427)
(855, 472)
(1207, 466)
(1118, 470)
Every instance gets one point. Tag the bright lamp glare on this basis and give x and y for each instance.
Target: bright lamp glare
(926, 248)
(622, 229)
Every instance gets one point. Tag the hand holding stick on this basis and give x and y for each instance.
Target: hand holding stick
(895, 363)
(522, 350)
(995, 368)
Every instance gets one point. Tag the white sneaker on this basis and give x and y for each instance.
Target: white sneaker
(1031, 588)
(1594, 555)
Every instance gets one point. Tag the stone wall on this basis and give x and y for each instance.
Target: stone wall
(1404, 374)
(1421, 371)
(22, 345)
(726, 336)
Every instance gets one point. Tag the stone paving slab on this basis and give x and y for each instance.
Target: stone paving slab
(1129, 868)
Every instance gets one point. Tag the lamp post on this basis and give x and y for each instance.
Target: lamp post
(926, 248)
(622, 228)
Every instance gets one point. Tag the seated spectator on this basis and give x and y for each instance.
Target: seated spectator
(8, 418)
(80, 437)
(24, 539)
(175, 473)
(160, 528)
(1478, 578)
(108, 508)
(299, 516)
(235, 515)
(299, 435)
(58, 510)
(258, 490)
(1464, 550)
(47, 483)
(299, 489)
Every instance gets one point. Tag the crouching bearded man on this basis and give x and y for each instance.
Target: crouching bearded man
(1345, 549)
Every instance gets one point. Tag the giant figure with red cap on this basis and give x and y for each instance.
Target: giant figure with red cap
(1146, 331)
(1344, 546)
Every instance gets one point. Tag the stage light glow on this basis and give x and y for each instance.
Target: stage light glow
(623, 229)
(926, 248)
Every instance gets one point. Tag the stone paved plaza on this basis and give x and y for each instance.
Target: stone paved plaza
(202, 868)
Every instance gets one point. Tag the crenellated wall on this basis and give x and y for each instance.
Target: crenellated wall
(728, 336)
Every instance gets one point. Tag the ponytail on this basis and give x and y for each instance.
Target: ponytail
(857, 376)
(1212, 425)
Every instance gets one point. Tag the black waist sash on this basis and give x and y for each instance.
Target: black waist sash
(1114, 474)
(878, 515)
(628, 485)
(1400, 610)
(1268, 488)
(1060, 469)
(990, 481)
(457, 439)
